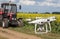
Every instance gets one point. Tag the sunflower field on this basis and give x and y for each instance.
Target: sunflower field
(32, 16)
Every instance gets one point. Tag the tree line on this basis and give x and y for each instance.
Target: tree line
(41, 13)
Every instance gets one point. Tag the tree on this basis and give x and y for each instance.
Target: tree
(47, 12)
(55, 12)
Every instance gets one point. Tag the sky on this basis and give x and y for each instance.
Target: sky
(36, 5)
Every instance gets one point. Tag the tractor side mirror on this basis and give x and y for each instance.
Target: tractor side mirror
(19, 6)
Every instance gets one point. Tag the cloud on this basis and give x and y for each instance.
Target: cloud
(49, 3)
(49, 0)
(7, 0)
(27, 2)
(53, 3)
(12, 0)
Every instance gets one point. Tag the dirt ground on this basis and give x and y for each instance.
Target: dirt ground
(16, 35)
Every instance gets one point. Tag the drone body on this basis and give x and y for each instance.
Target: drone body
(41, 22)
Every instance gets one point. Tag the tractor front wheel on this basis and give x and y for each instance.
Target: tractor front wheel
(5, 23)
(1, 20)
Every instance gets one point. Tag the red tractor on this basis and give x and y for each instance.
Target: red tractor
(8, 15)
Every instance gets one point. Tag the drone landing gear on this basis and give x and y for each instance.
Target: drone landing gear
(41, 29)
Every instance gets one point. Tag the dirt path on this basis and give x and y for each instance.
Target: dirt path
(16, 35)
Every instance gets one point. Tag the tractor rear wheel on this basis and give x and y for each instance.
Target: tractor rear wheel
(5, 23)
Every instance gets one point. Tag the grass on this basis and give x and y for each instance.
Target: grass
(26, 29)
(29, 29)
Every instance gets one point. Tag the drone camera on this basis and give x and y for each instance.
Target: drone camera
(48, 20)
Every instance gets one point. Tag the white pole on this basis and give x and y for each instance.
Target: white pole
(9, 6)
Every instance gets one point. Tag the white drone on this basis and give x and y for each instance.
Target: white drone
(41, 22)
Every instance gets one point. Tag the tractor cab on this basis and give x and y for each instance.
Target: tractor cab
(9, 8)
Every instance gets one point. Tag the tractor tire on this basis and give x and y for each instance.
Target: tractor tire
(5, 23)
(20, 23)
(1, 20)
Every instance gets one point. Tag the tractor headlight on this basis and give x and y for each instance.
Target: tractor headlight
(13, 18)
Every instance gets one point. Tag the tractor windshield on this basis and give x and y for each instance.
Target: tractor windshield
(13, 9)
(9, 7)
